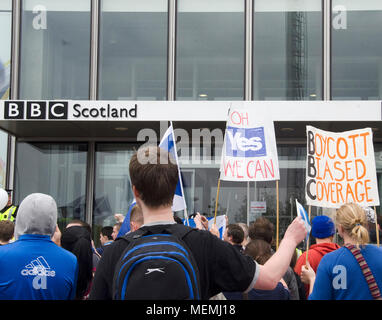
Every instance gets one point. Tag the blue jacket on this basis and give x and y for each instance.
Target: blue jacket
(339, 276)
(278, 293)
(35, 268)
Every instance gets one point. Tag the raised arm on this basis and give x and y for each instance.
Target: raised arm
(274, 269)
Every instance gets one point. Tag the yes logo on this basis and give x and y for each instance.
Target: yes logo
(242, 142)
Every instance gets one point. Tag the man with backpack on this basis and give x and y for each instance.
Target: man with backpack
(164, 260)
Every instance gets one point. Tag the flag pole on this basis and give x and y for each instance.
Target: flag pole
(186, 216)
(307, 242)
(277, 214)
(376, 226)
(217, 200)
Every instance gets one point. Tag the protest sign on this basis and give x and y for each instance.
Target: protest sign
(340, 168)
(249, 151)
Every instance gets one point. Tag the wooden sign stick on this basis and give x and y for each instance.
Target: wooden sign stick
(307, 242)
(217, 200)
(376, 226)
(277, 214)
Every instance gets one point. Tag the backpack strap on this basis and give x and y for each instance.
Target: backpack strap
(373, 286)
(178, 230)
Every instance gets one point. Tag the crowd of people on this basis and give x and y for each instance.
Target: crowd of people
(40, 261)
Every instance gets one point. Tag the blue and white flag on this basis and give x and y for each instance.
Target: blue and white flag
(305, 218)
(168, 143)
(179, 203)
(220, 223)
(125, 227)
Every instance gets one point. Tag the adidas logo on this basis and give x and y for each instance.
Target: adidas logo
(38, 267)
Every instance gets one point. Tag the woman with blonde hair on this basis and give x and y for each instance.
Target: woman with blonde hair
(353, 272)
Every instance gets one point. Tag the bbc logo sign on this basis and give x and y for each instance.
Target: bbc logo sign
(35, 110)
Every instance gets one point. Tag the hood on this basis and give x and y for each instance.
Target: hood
(325, 248)
(37, 214)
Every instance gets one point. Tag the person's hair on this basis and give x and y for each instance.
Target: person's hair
(76, 239)
(177, 219)
(7, 229)
(245, 228)
(293, 261)
(259, 250)
(136, 215)
(261, 229)
(82, 224)
(236, 232)
(118, 225)
(154, 175)
(353, 220)
(107, 231)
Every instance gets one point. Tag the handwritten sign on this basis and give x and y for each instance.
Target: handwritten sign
(249, 152)
(340, 168)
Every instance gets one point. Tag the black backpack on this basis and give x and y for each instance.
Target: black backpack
(156, 266)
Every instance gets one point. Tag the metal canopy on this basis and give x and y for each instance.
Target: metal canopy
(128, 130)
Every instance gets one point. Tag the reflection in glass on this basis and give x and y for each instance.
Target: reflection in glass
(3, 158)
(356, 50)
(55, 49)
(133, 50)
(58, 170)
(287, 50)
(112, 192)
(210, 50)
(5, 47)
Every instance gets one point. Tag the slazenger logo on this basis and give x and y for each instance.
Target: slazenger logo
(40, 269)
(242, 142)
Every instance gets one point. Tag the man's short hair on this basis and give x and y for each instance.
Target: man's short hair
(261, 229)
(236, 233)
(7, 229)
(136, 215)
(154, 175)
(107, 231)
(82, 224)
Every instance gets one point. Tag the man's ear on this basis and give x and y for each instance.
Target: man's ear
(135, 192)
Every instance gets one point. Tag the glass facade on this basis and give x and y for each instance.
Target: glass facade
(112, 192)
(133, 50)
(356, 50)
(55, 49)
(57, 169)
(287, 50)
(5, 47)
(210, 50)
(209, 63)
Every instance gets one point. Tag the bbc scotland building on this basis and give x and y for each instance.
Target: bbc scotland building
(83, 83)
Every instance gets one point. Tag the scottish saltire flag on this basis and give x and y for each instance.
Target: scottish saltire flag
(302, 213)
(168, 143)
(125, 227)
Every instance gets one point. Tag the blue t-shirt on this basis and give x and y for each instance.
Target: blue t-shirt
(35, 268)
(339, 276)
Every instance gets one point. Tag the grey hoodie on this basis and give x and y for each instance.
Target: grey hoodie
(37, 214)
